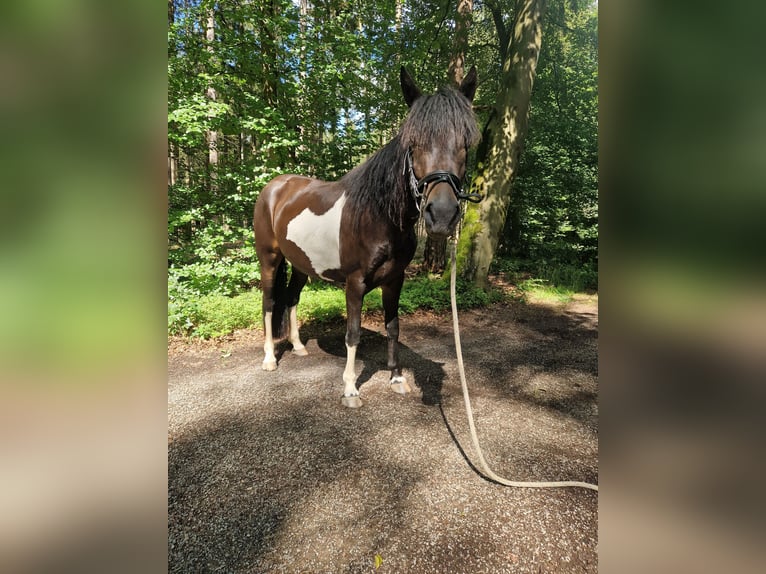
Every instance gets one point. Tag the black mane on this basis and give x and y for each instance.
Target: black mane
(379, 185)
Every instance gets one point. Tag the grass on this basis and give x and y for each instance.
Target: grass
(540, 290)
(548, 281)
(216, 315)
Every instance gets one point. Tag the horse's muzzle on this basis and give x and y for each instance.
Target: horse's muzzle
(441, 218)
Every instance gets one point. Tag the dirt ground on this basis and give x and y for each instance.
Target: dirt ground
(269, 473)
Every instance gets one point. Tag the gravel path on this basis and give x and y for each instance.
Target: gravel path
(269, 473)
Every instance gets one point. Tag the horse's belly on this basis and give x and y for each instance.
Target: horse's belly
(317, 239)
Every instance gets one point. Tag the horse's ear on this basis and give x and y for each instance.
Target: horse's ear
(468, 85)
(409, 89)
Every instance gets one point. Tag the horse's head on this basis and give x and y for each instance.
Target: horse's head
(437, 133)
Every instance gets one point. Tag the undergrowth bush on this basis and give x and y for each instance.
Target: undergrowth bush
(321, 302)
(541, 289)
(560, 275)
(568, 276)
(203, 300)
(216, 314)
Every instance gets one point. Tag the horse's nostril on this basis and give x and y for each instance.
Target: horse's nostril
(456, 216)
(429, 214)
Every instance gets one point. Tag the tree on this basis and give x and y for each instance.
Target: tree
(212, 134)
(258, 88)
(552, 222)
(456, 70)
(435, 251)
(504, 135)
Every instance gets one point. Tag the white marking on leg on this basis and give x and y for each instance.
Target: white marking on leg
(270, 359)
(319, 236)
(349, 375)
(350, 394)
(400, 385)
(294, 336)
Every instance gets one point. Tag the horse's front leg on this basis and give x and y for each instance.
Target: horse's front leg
(391, 294)
(297, 282)
(354, 296)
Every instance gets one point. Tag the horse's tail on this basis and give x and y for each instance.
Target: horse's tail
(279, 317)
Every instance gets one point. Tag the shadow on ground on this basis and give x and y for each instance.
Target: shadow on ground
(268, 473)
(427, 375)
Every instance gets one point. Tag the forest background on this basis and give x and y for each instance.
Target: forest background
(259, 88)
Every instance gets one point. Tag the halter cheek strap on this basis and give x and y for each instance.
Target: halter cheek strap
(418, 186)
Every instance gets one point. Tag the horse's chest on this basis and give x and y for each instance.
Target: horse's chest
(318, 237)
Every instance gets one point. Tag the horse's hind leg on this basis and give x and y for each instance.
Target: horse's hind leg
(391, 309)
(269, 265)
(297, 282)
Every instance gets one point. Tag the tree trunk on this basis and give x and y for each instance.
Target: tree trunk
(300, 151)
(435, 250)
(212, 135)
(172, 165)
(269, 43)
(506, 131)
(456, 70)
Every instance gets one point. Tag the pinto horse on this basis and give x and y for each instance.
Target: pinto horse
(360, 231)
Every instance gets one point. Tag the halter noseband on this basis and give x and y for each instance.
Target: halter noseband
(418, 186)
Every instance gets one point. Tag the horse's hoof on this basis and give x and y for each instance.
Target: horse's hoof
(400, 385)
(353, 402)
(269, 366)
(301, 352)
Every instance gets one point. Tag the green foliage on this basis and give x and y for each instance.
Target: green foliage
(470, 227)
(214, 315)
(433, 293)
(315, 93)
(182, 305)
(565, 276)
(321, 302)
(553, 217)
(541, 290)
(571, 277)
(192, 117)
(218, 260)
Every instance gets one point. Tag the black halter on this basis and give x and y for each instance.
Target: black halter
(418, 186)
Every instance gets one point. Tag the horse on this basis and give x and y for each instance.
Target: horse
(359, 232)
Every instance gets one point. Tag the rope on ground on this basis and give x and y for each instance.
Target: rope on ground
(469, 411)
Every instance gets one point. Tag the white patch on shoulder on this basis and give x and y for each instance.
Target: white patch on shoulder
(319, 236)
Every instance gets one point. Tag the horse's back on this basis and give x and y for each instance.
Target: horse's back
(287, 195)
(301, 217)
(276, 192)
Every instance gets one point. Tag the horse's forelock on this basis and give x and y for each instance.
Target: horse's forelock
(435, 119)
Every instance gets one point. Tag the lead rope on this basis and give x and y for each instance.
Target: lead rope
(469, 410)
